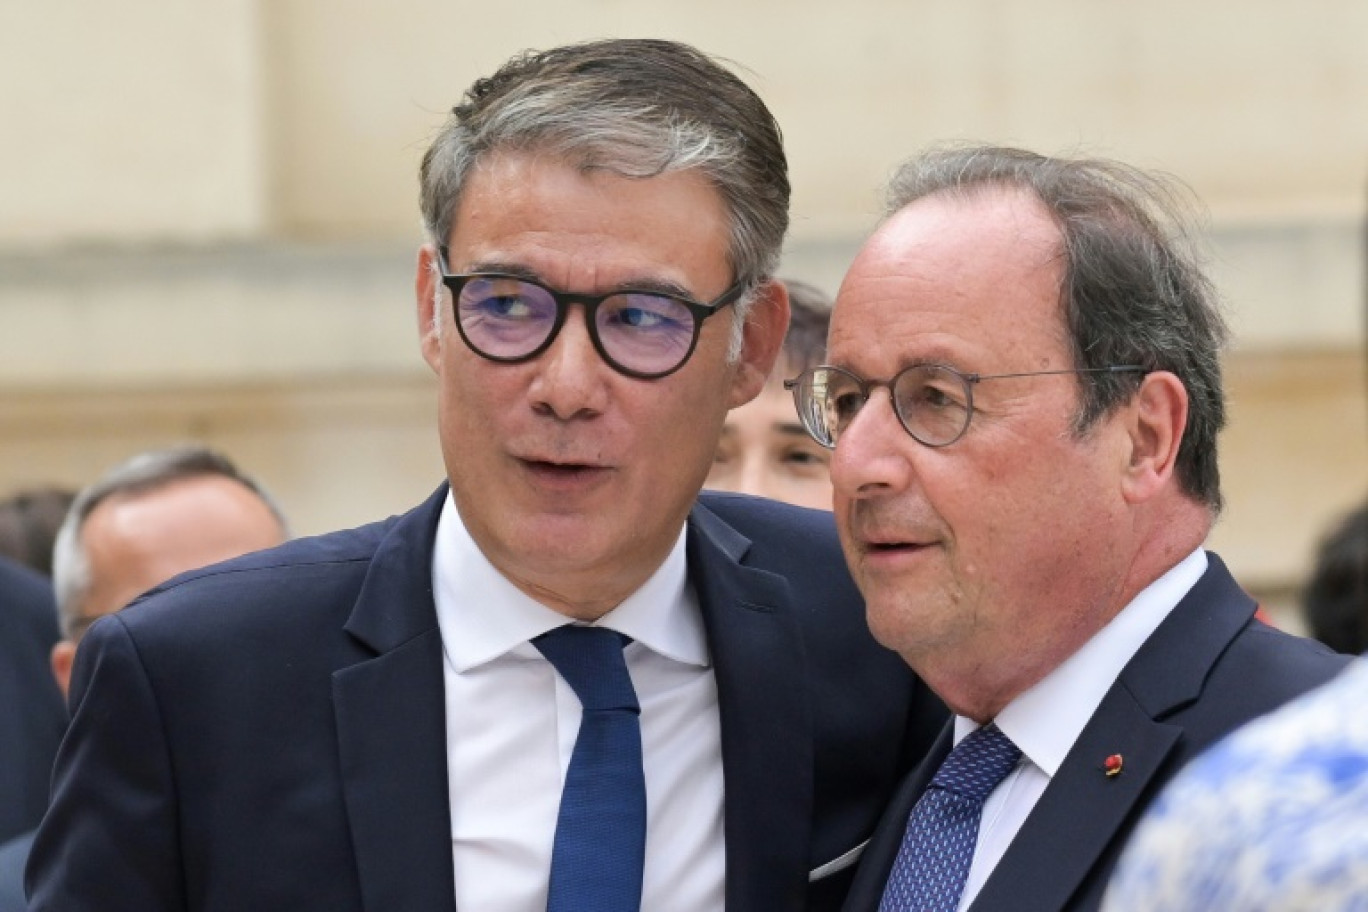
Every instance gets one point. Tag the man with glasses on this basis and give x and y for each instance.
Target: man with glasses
(565, 682)
(1023, 395)
(763, 449)
(149, 518)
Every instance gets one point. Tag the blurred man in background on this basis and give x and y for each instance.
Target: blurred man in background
(1335, 601)
(32, 717)
(145, 521)
(763, 449)
(28, 525)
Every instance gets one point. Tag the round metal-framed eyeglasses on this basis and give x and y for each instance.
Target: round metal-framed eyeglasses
(642, 333)
(934, 402)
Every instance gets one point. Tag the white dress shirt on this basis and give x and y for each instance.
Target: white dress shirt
(512, 723)
(1047, 719)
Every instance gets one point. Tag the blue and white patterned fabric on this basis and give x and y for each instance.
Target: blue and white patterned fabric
(1272, 819)
(933, 862)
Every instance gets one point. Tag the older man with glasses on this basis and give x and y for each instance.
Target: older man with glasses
(158, 514)
(1023, 395)
(566, 682)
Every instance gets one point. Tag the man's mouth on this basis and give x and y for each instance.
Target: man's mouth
(892, 543)
(891, 547)
(565, 471)
(558, 465)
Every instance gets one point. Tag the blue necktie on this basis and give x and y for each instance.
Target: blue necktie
(933, 861)
(600, 846)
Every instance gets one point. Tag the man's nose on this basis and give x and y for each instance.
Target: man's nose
(756, 477)
(570, 378)
(871, 455)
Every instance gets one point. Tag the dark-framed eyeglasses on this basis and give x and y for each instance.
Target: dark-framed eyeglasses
(933, 402)
(644, 334)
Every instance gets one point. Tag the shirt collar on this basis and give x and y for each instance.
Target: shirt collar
(483, 616)
(1045, 720)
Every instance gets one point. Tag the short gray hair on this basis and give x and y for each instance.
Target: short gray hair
(146, 472)
(810, 309)
(638, 108)
(1134, 291)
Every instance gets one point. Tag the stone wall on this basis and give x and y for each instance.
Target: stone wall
(208, 211)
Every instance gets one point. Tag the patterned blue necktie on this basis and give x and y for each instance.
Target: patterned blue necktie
(600, 847)
(938, 847)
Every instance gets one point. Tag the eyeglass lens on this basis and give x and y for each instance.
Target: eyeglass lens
(507, 318)
(932, 402)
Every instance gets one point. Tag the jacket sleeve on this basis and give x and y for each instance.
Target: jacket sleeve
(109, 839)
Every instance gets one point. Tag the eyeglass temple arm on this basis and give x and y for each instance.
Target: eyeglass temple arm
(1109, 369)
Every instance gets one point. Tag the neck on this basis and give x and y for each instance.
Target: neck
(587, 609)
(980, 682)
(589, 594)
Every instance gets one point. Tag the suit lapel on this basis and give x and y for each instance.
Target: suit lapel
(1077, 818)
(391, 727)
(1081, 818)
(767, 751)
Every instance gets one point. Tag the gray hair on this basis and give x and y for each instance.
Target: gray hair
(28, 525)
(146, 472)
(637, 108)
(810, 309)
(1134, 291)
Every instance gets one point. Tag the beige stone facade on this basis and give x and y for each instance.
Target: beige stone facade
(208, 210)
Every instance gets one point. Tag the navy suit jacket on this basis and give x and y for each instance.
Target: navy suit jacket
(32, 715)
(270, 733)
(1209, 667)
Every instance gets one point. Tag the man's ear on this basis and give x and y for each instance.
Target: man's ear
(762, 340)
(62, 658)
(1155, 419)
(427, 288)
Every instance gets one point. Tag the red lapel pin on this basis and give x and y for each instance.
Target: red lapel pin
(1112, 765)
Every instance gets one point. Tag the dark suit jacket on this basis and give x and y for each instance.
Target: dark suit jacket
(1209, 667)
(32, 715)
(270, 733)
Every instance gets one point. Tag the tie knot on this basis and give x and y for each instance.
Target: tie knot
(590, 660)
(978, 763)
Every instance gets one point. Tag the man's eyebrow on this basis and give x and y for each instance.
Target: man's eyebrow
(512, 269)
(794, 428)
(658, 286)
(646, 283)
